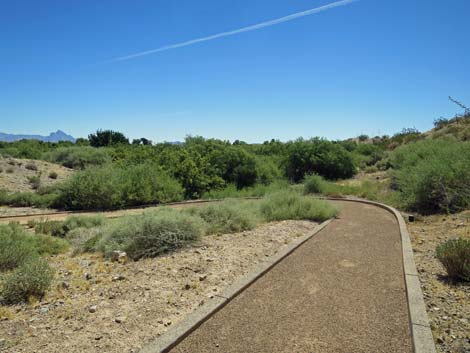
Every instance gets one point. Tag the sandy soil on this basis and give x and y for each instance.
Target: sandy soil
(448, 304)
(100, 306)
(14, 174)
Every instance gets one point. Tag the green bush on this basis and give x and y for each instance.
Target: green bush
(455, 256)
(228, 216)
(328, 159)
(15, 246)
(148, 235)
(48, 245)
(35, 181)
(28, 199)
(115, 187)
(288, 205)
(32, 279)
(314, 184)
(53, 175)
(433, 175)
(61, 228)
(258, 190)
(78, 157)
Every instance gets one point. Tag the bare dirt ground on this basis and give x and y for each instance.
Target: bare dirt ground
(448, 304)
(102, 306)
(14, 173)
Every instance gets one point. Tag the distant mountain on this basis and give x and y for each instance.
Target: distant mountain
(53, 137)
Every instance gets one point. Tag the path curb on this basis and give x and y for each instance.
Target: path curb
(423, 341)
(175, 335)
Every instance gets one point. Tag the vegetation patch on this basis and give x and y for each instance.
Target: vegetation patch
(454, 255)
(433, 175)
(288, 205)
(31, 279)
(147, 235)
(228, 216)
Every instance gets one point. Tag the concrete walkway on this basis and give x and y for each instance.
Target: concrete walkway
(342, 291)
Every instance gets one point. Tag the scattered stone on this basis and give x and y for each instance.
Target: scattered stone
(44, 309)
(119, 256)
(65, 285)
(187, 286)
(92, 309)
(118, 278)
(120, 319)
(88, 276)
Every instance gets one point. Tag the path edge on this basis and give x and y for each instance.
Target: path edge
(175, 335)
(421, 334)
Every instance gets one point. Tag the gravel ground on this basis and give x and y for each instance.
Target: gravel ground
(99, 306)
(448, 304)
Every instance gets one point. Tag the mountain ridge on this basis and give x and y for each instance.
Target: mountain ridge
(57, 136)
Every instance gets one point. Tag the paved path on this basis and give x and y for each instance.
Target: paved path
(342, 291)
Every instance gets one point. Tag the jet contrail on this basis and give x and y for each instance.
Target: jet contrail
(237, 31)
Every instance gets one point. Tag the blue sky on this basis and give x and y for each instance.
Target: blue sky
(372, 66)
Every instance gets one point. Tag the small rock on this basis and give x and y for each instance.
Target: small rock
(119, 256)
(2, 342)
(92, 309)
(118, 278)
(120, 319)
(202, 278)
(44, 309)
(98, 337)
(187, 286)
(65, 285)
(88, 276)
(440, 340)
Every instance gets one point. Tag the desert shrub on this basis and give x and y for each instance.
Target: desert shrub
(53, 175)
(314, 184)
(35, 181)
(47, 227)
(84, 239)
(116, 187)
(61, 228)
(288, 205)
(455, 257)
(74, 222)
(48, 245)
(28, 199)
(371, 169)
(31, 166)
(78, 157)
(32, 279)
(10, 170)
(433, 175)
(150, 234)
(228, 216)
(15, 246)
(258, 190)
(328, 159)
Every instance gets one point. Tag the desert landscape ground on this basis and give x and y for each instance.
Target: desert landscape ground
(234, 176)
(116, 274)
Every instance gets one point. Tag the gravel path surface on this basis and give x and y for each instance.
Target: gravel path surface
(342, 291)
